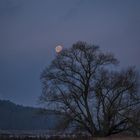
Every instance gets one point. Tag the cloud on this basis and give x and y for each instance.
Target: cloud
(29, 31)
(72, 10)
(9, 8)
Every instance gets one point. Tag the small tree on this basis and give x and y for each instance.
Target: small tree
(80, 84)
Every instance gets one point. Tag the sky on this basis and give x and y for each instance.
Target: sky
(30, 30)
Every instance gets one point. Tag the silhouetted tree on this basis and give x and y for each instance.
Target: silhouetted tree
(82, 84)
(134, 121)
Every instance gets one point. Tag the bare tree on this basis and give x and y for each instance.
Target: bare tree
(134, 121)
(116, 100)
(80, 84)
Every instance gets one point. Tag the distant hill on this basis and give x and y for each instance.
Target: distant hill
(17, 117)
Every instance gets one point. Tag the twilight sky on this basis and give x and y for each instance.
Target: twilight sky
(30, 30)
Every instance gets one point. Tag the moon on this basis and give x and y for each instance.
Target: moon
(58, 48)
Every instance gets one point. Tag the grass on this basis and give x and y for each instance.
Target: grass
(67, 138)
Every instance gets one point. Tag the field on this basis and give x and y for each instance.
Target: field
(67, 138)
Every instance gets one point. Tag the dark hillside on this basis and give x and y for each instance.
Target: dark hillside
(17, 117)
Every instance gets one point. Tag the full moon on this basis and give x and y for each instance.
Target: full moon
(58, 48)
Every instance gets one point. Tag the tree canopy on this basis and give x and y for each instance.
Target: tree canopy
(83, 84)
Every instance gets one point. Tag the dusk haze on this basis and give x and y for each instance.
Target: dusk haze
(49, 44)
